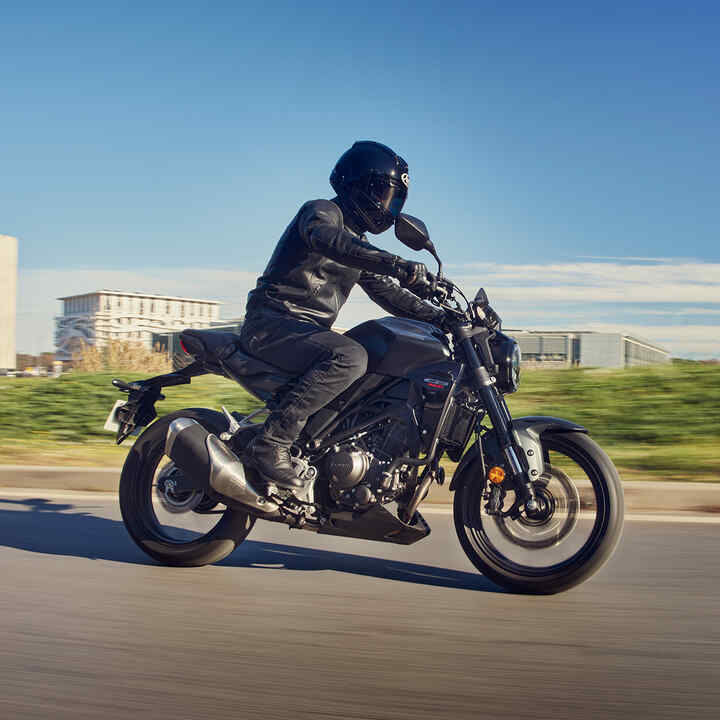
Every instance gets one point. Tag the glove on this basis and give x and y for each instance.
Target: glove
(414, 277)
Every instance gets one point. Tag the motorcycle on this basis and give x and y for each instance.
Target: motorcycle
(537, 505)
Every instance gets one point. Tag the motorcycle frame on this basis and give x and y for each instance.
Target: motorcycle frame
(471, 351)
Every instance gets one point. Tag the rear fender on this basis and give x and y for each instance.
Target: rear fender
(528, 432)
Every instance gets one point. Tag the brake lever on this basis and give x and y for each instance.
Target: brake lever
(440, 295)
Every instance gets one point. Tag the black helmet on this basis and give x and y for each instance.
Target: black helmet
(371, 181)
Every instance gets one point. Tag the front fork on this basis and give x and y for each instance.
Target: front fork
(501, 420)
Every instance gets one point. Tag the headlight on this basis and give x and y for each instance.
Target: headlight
(506, 354)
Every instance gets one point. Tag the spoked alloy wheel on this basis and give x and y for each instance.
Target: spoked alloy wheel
(576, 530)
(184, 528)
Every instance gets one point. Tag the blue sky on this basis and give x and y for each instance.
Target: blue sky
(564, 155)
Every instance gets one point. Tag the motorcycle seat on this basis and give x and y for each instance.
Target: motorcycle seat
(222, 348)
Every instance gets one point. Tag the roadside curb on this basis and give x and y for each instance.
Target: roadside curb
(640, 496)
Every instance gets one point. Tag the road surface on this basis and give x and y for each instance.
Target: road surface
(293, 625)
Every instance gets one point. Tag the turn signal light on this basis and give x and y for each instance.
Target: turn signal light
(496, 475)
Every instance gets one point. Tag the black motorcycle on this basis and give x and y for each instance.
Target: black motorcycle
(538, 505)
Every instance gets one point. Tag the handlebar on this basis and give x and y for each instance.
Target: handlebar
(443, 295)
(441, 291)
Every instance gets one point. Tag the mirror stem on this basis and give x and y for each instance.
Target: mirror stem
(439, 262)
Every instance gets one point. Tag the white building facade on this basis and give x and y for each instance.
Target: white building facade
(8, 300)
(560, 349)
(99, 317)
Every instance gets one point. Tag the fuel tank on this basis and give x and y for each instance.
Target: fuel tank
(396, 346)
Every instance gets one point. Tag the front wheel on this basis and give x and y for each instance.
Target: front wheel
(581, 493)
(176, 528)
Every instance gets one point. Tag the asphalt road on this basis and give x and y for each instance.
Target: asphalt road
(293, 625)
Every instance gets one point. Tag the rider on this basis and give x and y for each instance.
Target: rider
(320, 256)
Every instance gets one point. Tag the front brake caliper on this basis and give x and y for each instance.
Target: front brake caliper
(496, 498)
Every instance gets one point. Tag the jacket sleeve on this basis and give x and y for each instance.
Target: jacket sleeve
(321, 226)
(398, 301)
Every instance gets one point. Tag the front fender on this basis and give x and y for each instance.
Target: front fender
(527, 432)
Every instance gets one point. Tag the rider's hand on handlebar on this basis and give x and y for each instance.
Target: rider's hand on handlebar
(416, 278)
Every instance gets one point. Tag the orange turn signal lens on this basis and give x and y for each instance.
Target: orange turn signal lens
(496, 475)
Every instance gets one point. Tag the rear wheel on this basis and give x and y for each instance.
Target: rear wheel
(181, 528)
(575, 533)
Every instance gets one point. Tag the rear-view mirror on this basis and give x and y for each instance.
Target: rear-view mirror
(411, 231)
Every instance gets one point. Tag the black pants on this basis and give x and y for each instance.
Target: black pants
(325, 362)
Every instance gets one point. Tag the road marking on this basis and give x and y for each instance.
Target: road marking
(707, 518)
(56, 494)
(701, 518)
(60, 469)
(39, 493)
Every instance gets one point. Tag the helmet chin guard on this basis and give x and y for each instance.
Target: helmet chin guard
(372, 181)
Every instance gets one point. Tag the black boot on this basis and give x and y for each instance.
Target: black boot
(272, 460)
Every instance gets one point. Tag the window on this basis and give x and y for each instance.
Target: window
(182, 309)
(152, 307)
(167, 308)
(142, 307)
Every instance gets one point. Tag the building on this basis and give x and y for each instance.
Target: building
(547, 349)
(8, 300)
(540, 348)
(98, 317)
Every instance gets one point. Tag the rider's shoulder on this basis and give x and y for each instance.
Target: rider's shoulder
(325, 210)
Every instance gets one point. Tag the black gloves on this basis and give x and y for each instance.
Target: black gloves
(414, 277)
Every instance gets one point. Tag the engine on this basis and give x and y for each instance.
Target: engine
(357, 472)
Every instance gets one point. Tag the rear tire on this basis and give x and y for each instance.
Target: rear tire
(606, 533)
(136, 500)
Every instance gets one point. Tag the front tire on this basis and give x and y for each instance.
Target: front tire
(490, 551)
(136, 501)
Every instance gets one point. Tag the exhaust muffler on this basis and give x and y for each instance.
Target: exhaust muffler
(210, 463)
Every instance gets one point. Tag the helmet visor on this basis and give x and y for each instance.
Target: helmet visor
(387, 193)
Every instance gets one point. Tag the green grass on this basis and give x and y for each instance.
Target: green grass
(47, 421)
(661, 422)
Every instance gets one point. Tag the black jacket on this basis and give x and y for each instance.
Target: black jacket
(315, 265)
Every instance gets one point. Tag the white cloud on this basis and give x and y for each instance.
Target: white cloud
(545, 296)
(683, 312)
(689, 282)
(628, 258)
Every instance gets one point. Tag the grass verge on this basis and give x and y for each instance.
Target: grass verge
(655, 423)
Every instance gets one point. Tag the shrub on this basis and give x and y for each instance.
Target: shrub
(120, 355)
